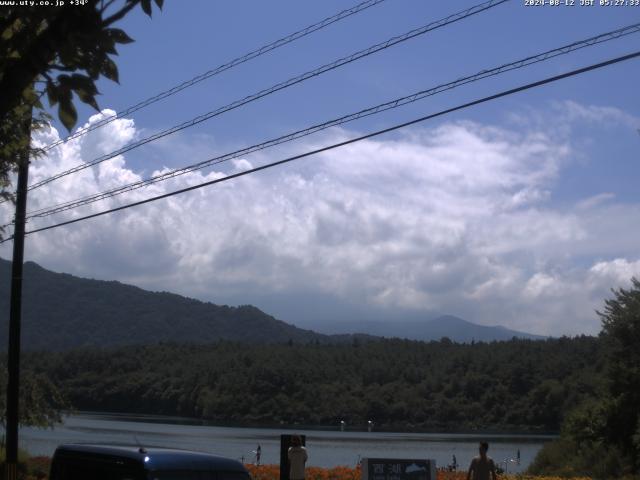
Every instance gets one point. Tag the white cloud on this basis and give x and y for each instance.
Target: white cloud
(595, 200)
(615, 272)
(542, 284)
(454, 219)
(597, 114)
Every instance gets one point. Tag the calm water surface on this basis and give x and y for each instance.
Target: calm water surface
(326, 448)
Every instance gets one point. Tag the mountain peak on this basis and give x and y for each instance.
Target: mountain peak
(462, 330)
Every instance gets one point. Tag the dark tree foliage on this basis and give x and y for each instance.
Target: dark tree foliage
(621, 336)
(68, 48)
(14, 142)
(54, 52)
(601, 437)
(41, 401)
(396, 383)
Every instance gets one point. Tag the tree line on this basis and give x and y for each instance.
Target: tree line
(519, 385)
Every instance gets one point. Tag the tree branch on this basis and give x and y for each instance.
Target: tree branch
(62, 68)
(119, 14)
(104, 6)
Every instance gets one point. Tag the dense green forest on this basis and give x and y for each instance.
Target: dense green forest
(398, 384)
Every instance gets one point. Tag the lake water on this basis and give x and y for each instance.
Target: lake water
(326, 448)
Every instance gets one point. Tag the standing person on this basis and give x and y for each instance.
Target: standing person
(297, 458)
(258, 455)
(481, 466)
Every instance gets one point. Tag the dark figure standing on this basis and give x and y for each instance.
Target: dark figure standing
(258, 455)
(482, 467)
(297, 458)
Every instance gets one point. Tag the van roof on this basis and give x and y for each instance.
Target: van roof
(153, 458)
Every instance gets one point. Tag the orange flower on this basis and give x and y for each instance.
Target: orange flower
(272, 472)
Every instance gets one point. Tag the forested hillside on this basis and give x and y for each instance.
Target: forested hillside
(61, 311)
(518, 385)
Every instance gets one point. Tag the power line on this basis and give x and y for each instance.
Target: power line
(348, 142)
(225, 66)
(280, 86)
(604, 37)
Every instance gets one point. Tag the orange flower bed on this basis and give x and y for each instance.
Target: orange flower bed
(272, 472)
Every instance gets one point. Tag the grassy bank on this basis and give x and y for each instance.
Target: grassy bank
(29, 468)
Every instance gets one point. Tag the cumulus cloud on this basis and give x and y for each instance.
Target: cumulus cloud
(454, 219)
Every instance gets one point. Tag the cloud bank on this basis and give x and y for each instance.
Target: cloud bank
(456, 219)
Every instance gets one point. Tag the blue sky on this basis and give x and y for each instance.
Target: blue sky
(518, 212)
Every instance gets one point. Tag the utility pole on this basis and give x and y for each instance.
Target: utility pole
(15, 313)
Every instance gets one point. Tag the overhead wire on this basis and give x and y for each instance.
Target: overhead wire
(489, 98)
(280, 86)
(221, 68)
(527, 61)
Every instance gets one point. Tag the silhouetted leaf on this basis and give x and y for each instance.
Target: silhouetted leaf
(67, 113)
(63, 81)
(146, 6)
(52, 93)
(110, 70)
(87, 98)
(108, 45)
(93, 69)
(119, 36)
(82, 82)
(67, 54)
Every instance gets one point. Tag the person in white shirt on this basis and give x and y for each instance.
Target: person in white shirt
(297, 458)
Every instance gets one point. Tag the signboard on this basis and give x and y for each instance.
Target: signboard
(398, 469)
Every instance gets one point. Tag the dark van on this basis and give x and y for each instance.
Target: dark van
(102, 462)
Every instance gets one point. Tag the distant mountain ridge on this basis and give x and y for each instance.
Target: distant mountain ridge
(460, 330)
(61, 311)
(449, 326)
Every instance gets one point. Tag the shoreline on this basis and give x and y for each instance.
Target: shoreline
(514, 432)
(328, 447)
